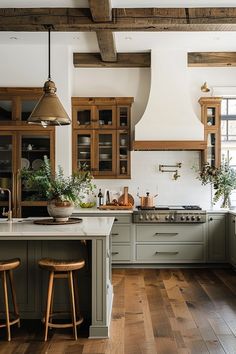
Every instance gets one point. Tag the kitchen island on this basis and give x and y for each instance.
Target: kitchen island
(28, 241)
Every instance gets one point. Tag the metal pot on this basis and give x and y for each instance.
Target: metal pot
(148, 201)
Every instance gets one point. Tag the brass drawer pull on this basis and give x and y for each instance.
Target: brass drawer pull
(166, 252)
(166, 234)
(114, 253)
(115, 234)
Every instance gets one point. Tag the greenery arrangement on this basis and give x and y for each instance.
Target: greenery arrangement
(56, 186)
(223, 180)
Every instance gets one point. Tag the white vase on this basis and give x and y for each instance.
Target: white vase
(60, 210)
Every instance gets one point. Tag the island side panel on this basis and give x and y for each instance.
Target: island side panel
(101, 288)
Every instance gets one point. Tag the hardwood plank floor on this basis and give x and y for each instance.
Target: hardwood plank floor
(155, 311)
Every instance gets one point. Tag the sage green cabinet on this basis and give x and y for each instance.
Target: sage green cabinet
(217, 238)
(121, 235)
(170, 243)
(232, 239)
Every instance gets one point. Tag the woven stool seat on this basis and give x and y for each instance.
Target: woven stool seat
(61, 265)
(61, 269)
(6, 267)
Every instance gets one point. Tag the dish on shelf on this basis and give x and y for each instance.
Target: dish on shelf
(84, 154)
(105, 143)
(25, 163)
(104, 156)
(84, 139)
(36, 164)
(123, 156)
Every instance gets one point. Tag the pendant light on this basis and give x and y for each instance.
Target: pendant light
(49, 110)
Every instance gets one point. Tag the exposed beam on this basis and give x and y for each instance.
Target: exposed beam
(124, 60)
(100, 10)
(212, 59)
(129, 19)
(107, 46)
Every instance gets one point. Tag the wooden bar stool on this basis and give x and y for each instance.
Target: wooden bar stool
(6, 268)
(60, 270)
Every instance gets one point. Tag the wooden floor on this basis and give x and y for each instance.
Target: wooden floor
(154, 311)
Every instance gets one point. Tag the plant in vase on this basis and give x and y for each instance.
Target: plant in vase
(222, 179)
(61, 192)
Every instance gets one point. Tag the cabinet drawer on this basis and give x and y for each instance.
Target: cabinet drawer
(120, 253)
(170, 233)
(170, 253)
(120, 233)
(123, 219)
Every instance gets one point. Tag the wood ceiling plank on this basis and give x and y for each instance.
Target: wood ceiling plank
(123, 19)
(213, 59)
(124, 60)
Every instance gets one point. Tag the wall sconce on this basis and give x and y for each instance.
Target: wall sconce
(166, 168)
(205, 88)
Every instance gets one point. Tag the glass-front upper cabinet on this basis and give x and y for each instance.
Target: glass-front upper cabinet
(123, 148)
(34, 147)
(105, 145)
(211, 118)
(6, 169)
(16, 104)
(101, 135)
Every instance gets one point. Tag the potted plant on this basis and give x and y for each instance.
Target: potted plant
(222, 179)
(61, 192)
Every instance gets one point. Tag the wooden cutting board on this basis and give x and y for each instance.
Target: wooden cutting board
(126, 198)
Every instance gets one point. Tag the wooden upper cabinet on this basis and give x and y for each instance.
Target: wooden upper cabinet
(16, 104)
(210, 117)
(101, 135)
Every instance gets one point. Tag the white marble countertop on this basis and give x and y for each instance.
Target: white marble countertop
(25, 229)
(96, 210)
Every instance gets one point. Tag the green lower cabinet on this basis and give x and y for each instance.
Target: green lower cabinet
(232, 240)
(217, 240)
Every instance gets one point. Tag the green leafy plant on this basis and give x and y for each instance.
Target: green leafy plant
(223, 180)
(55, 186)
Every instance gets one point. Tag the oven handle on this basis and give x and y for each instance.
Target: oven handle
(166, 252)
(166, 234)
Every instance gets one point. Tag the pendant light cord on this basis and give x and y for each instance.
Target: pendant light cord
(49, 53)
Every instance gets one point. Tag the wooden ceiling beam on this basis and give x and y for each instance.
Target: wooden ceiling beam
(129, 19)
(213, 59)
(124, 60)
(101, 12)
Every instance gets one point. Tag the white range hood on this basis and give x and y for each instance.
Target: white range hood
(169, 115)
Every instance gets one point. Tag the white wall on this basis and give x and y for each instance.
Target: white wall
(27, 66)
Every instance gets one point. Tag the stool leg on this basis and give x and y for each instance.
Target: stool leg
(4, 278)
(72, 295)
(76, 291)
(13, 294)
(49, 299)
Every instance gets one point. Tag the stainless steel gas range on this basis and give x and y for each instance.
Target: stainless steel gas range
(170, 214)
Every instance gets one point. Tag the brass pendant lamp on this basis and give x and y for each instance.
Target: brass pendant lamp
(49, 110)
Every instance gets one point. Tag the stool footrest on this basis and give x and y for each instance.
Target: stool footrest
(10, 323)
(65, 325)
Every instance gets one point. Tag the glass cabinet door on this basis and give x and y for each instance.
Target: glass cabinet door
(6, 169)
(106, 150)
(106, 117)
(123, 117)
(33, 150)
(83, 117)
(123, 144)
(213, 142)
(211, 116)
(84, 150)
(27, 106)
(6, 110)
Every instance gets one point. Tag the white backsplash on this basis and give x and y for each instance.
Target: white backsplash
(187, 189)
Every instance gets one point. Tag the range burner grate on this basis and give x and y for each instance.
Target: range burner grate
(171, 207)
